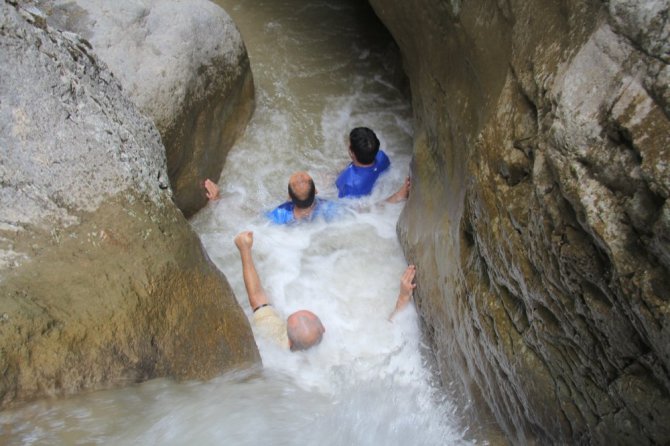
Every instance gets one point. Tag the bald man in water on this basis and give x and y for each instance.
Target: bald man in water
(303, 204)
(302, 330)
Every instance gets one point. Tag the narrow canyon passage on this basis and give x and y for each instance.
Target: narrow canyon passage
(320, 69)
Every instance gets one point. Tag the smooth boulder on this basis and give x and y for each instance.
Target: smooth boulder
(184, 64)
(102, 281)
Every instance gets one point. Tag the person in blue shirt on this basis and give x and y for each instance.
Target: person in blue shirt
(367, 163)
(303, 204)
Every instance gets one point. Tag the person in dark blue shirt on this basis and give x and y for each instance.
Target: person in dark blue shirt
(367, 163)
(303, 205)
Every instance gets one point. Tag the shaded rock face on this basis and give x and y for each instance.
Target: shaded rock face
(539, 215)
(102, 280)
(184, 64)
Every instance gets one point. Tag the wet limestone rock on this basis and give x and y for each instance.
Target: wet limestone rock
(184, 64)
(539, 216)
(102, 280)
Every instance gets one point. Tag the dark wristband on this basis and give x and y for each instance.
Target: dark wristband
(260, 306)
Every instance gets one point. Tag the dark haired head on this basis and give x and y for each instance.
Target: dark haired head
(302, 190)
(363, 144)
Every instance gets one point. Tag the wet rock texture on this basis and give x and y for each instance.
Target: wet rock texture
(102, 280)
(184, 64)
(539, 216)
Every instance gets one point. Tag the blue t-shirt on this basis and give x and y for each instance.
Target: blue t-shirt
(283, 214)
(356, 181)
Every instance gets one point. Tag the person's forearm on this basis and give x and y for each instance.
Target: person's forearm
(401, 303)
(252, 282)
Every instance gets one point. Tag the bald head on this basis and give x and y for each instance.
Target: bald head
(301, 189)
(304, 330)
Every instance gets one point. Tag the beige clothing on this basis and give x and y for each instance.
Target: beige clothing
(271, 326)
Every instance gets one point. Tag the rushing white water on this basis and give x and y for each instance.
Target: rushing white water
(321, 68)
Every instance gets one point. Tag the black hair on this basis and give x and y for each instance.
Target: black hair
(364, 144)
(305, 202)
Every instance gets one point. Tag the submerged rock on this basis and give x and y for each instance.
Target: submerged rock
(539, 216)
(102, 280)
(184, 64)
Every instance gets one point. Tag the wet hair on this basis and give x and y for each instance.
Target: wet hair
(364, 144)
(306, 202)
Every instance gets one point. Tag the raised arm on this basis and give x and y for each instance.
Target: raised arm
(255, 292)
(406, 288)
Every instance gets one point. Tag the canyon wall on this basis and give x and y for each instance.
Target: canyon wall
(539, 216)
(102, 280)
(184, 64)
